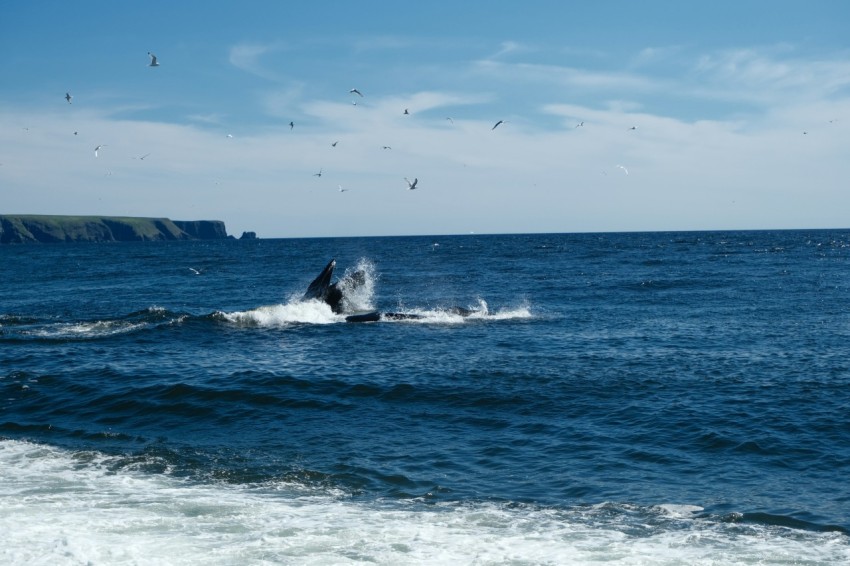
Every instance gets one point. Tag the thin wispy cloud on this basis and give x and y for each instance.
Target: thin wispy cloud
(510, 47)
(655, 56)
(758, 75)
(564, 76)
(213, 119)
(696, 128)
(284, 102)
(420, 102)
(248, 57)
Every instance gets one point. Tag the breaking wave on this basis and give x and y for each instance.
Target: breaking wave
(88, 508)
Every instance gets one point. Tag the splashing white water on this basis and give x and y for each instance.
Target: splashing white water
(296, 312)
(450, 315)
(69, 508)
(358, 289)
(357, 285)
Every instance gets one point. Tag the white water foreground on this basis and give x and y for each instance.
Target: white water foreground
(60, 507)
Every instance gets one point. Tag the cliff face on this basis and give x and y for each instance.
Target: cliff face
(203, 229)
(22, 229)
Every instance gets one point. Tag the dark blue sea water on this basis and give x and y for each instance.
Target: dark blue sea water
(651, 398)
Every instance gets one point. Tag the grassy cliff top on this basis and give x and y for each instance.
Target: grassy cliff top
(26, 228)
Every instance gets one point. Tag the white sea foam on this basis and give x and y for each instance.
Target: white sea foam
(304, 312)
(94, 329)
(480, 311)
(64, 508)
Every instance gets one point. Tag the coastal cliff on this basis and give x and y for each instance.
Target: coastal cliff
(26, 228)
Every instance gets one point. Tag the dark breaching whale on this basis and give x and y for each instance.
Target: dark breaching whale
(333, 294)
(321, 289)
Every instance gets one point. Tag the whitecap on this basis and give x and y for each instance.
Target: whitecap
(304, 312)
(61, 507)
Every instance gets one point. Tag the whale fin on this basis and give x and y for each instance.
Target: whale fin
(318, 289)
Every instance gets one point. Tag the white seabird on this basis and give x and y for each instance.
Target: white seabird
(497, 124)
(319, 174)
(341, 189)
(355, 91)
(68, 97)
(411, 186)
(153, 60)
(97, 148)
(626, 171)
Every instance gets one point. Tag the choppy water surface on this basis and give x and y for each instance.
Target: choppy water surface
(665, 398)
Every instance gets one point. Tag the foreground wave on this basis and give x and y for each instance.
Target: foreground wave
(63, 507)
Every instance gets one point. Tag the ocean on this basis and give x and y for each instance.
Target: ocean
(618, 399)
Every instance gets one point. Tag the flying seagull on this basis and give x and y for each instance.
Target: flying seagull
(334, 143)
(97, 148)
(385, 147)
(449, 118)
(319, 174)
(626, 171)
(291, 125)
(411, 186)
(355, 91)
(580, 124)
(497, 124)
(68, 97)
(142, 158)
(153, 60)
(341, 189)
(406, 112)
(633, 128)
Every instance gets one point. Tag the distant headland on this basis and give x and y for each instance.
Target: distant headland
(30, 228)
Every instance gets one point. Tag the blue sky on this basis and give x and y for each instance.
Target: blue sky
(740, 110)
